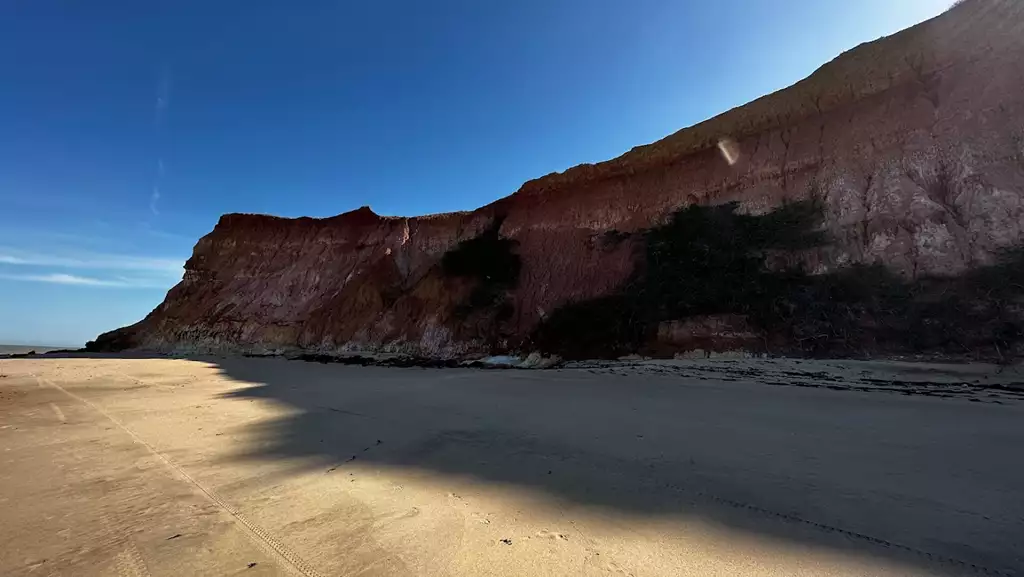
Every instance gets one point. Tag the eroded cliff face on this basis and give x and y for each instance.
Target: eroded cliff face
(913, 143)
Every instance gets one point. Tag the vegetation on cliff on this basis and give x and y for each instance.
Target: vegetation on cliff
(491, 263)
(713, 260)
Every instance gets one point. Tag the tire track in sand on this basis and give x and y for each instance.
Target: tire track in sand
(287, 558)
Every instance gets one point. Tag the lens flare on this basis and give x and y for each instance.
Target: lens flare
(730, 151)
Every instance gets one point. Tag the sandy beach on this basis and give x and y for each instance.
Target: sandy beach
(161, 466)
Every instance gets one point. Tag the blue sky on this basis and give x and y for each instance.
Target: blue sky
(127, 128)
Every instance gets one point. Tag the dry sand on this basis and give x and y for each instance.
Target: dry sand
(265, 467)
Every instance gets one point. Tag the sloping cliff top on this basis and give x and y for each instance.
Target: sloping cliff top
(910, 147)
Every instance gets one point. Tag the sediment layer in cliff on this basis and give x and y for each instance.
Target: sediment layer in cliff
(910, 148)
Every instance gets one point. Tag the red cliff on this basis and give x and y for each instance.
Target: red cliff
(914, 144)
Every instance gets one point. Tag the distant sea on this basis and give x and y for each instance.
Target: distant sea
(22, 349)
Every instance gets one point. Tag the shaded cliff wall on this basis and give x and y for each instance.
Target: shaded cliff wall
(914, 143)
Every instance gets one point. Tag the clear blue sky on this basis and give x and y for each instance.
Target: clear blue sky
(127, 128)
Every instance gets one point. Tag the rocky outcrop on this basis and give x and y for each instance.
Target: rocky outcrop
(914, 145)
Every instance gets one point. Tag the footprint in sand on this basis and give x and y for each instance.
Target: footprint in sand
(413, 512)
(397, 516)
(552, 535)
(618, 569)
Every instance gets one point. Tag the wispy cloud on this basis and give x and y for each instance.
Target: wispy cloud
(153, 199)
(163, 104)
(70, 279)
(167, 266)
(163, 96)
(34, 236)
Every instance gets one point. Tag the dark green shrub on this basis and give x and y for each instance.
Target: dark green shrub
(598, 328)
(712, 260)
(611, 239)
(709, 260)
(705, 260)
(489, 260)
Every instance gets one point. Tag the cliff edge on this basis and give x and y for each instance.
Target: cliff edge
(903, 158)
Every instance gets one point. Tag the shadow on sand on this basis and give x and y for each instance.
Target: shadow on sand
(931, 482)
(926, 481)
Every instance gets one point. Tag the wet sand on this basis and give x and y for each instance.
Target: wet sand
(270, 467)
